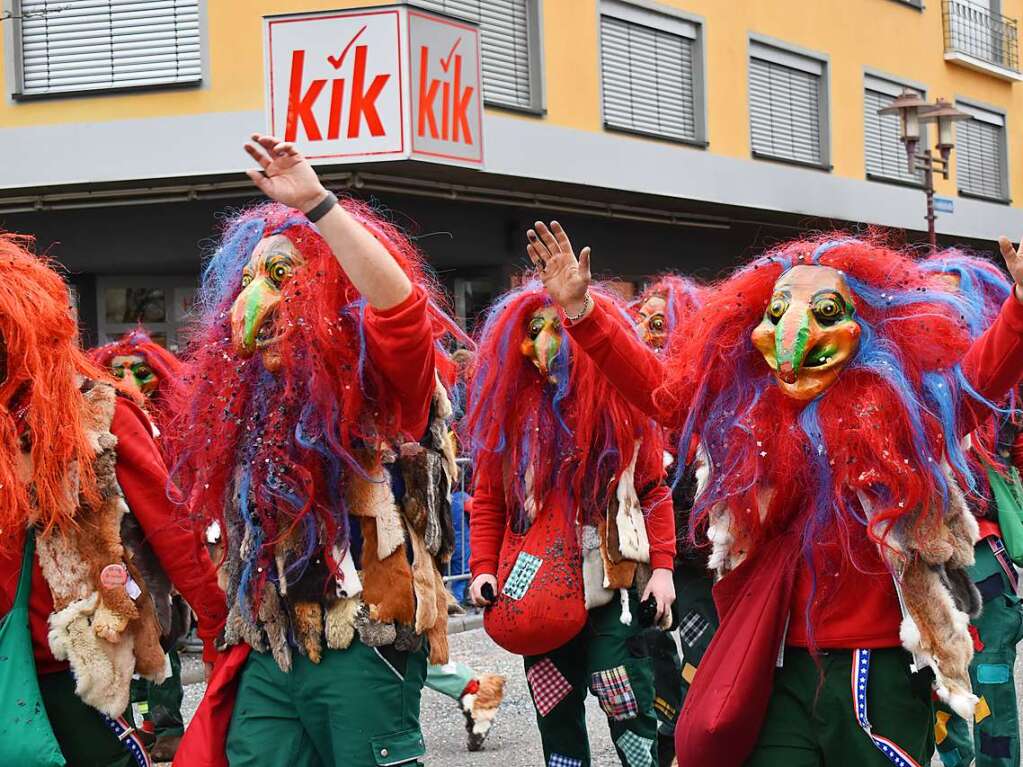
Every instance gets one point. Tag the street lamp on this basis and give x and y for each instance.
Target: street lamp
(914, 111)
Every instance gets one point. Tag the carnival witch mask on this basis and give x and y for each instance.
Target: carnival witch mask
(543, 339)
(135, 372)
(809, 332)
(254, 311)
(652, 322)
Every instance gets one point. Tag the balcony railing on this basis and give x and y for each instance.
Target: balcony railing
(974, 31)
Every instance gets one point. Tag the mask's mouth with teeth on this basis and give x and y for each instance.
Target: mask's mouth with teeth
(267, 334)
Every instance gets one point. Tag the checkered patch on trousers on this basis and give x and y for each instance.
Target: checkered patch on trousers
(636, 749)
(557, 760)
(614, 692)
(692, 627)
(549, 685)
(521, 575)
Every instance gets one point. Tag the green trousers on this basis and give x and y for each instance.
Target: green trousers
(697, 622)
(450, 679)
(610, 659)
(811, 721)
(86, 737)
(995, 741)
(161, 703)
(355, 708)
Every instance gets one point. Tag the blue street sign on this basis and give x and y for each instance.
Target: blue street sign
(944, 204)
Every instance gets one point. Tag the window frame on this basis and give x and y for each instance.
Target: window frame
(972, 105)
(534, 42)
(669, 20)
(107, 332)
(15, 59)
(897, 82)
(789, 55)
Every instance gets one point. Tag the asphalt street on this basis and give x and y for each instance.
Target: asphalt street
(513, 742)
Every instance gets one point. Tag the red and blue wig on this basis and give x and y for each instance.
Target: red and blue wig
(574, 436)
(883, 432)
(279, 445)
(682, 296)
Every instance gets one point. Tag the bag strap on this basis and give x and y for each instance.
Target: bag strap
(27, 561)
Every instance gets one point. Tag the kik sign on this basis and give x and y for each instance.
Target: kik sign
(375, 84)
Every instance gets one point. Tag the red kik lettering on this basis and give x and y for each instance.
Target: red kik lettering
(445, 120)
(460, 108)
(337, 92)
(363, 100)
(300, 106)
(427, 95)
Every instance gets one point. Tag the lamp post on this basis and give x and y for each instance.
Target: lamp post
(913, 111)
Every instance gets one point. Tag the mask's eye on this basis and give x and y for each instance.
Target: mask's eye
(657, 324)
(118, 372)
(777, 308)
(246, 278)
(535, 326)
(827, 310)
(279, 269)
(142, 372)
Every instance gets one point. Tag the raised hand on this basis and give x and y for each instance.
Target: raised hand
(286, 175)
(1014, 263)
(565, 277)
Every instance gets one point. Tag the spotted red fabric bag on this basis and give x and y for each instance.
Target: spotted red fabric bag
(539, 604)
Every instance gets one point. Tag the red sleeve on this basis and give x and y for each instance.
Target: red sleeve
(488, 521)
(143, 478)
(657, 509)
(994, 362)
(628, 363)
(400, 344)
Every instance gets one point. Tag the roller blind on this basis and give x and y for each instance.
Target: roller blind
(785, 105)
(884, 152)
(647, 77)
(75, 45)
(504, 43)
(980, 153)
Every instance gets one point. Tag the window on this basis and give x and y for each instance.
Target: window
(161, 304)
(787, 104)
(86, 45)
(883, 149)
(980, 154)
(509, 42)
(650, 72)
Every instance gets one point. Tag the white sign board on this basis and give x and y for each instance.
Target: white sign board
(375, 84)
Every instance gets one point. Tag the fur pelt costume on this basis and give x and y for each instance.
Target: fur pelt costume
(875, 460)
(57, 472)
(298, 464)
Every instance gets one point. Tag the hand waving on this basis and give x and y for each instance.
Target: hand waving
(566, 278)
(286, 175)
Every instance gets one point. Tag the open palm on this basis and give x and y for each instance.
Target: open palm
(285, 175)
(565, 277)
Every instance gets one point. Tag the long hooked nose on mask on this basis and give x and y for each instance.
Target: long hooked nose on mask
(251, 316)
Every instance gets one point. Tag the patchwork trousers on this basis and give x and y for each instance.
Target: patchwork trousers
(610, 659)
(995, 741)
(357, 707)
(812, 722)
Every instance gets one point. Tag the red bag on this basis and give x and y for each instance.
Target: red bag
(205, 741)
(727, 700)
(540, 604)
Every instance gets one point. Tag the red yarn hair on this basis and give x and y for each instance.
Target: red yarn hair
(40, 398)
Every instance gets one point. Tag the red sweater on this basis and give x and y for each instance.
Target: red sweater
(143, 479)
(862, 610)
(490, 514)
(401, 346)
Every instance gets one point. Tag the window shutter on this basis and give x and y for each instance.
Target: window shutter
(785, 106)
(504, 44)
(75, 45)
(884, 152)
(647, 77)
(980, 153)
